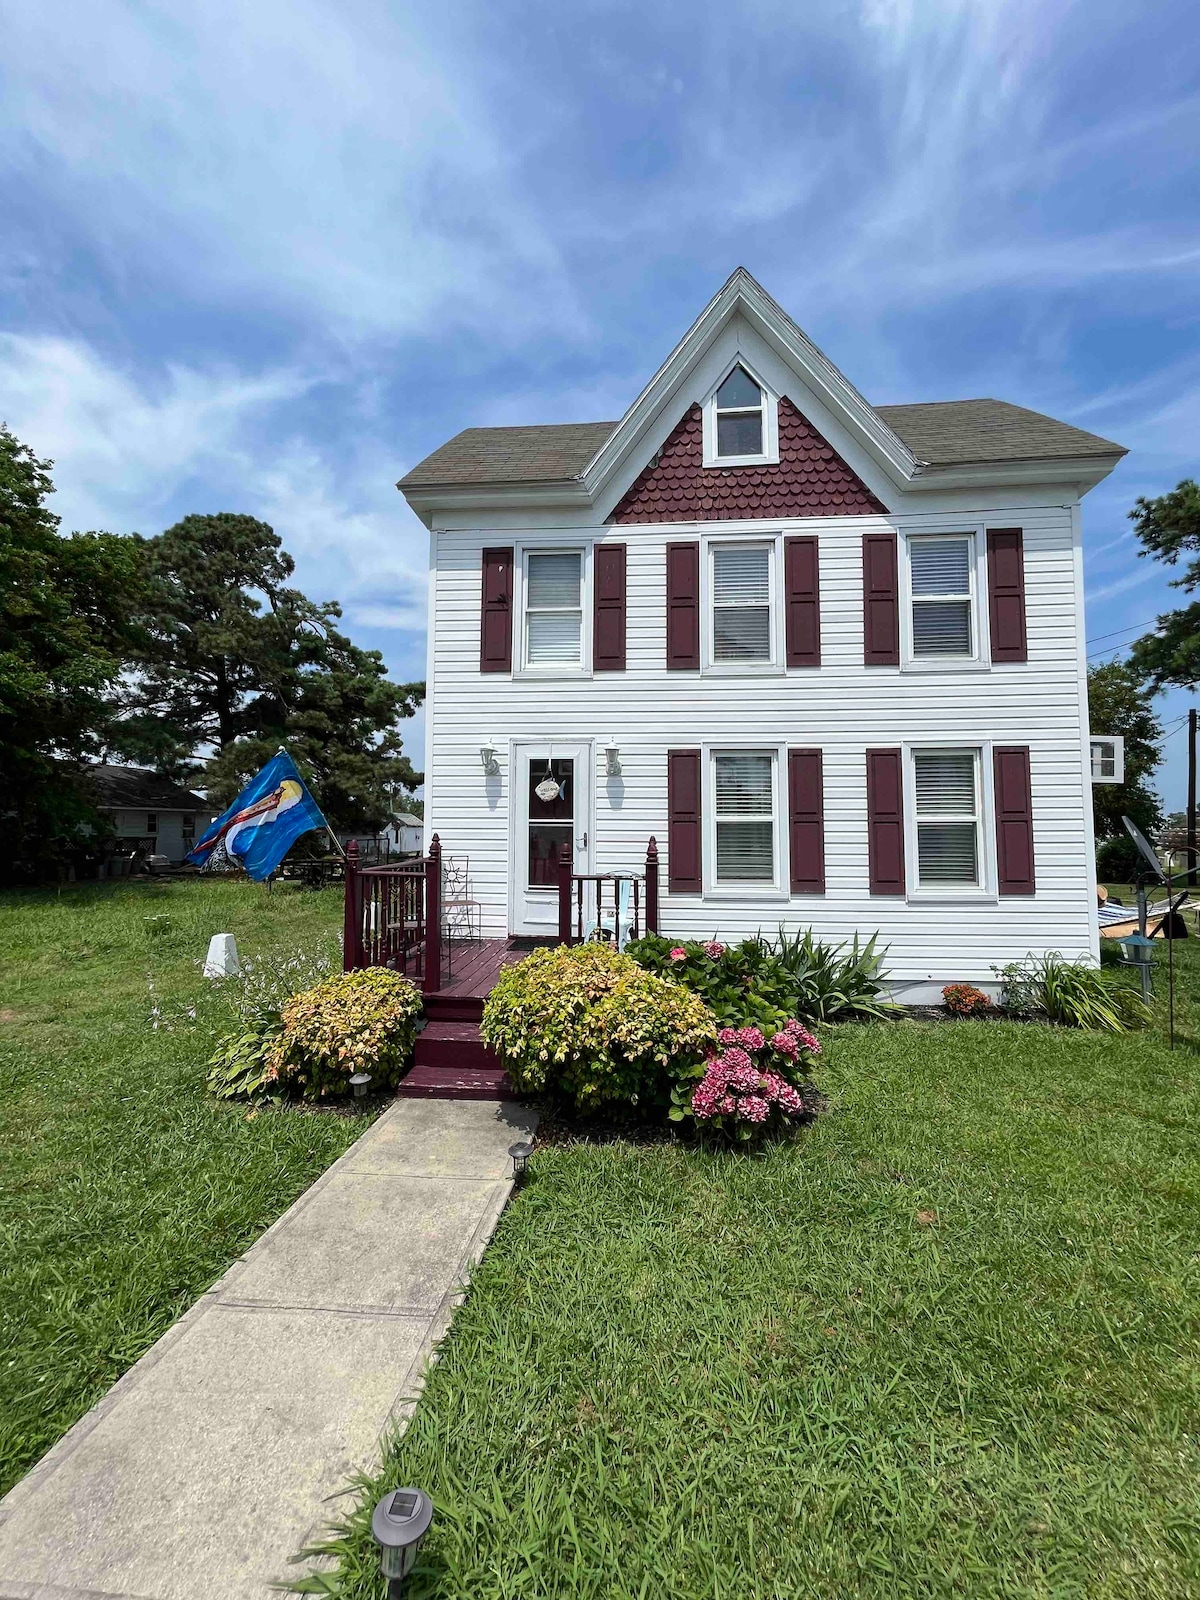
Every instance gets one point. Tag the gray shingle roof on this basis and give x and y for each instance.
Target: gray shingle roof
(945, 433)
(117, 787)
(940, 433)
(545, 454)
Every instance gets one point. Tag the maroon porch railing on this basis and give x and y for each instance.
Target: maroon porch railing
(393, 915)
(592, 898)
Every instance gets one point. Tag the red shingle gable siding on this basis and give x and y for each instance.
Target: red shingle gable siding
(810, 479)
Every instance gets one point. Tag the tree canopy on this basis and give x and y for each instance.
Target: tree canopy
(71, 614)
(238, 663)
(1120, 703)
(1169, 530)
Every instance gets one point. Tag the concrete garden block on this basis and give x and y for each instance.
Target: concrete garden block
(222, 958)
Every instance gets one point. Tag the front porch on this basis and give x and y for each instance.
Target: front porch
(395, 917)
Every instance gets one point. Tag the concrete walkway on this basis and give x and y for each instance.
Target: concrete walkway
(222, 1452)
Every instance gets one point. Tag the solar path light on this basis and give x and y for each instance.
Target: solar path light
(399, 1522)
(360, 1082)
(520, 1154)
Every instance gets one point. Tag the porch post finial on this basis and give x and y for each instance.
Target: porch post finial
(652, 885)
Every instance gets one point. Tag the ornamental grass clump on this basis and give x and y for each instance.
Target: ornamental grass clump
(363, 1021)
(587, 1022)
(752, 1086)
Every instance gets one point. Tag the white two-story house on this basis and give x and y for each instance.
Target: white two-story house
(830, 655)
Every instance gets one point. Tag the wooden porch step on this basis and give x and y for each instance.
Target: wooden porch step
(444, 1042)
(452, 1007)
(456, 1083)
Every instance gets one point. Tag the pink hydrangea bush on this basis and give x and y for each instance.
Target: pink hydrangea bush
(752, 1084)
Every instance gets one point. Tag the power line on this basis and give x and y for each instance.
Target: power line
(1133, 627)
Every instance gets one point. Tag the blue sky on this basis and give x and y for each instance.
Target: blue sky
(264, 258)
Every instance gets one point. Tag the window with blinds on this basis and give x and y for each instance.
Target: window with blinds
(942, 585)
(744, 817)
(946, 795)
(741, 602)
(553, 609)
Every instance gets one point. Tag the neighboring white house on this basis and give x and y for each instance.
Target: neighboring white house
(830, 655)
(149, 811)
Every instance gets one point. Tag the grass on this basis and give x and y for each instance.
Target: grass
(127, 1189)
(945, 1343)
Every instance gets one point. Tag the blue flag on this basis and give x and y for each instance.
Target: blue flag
(265, 820)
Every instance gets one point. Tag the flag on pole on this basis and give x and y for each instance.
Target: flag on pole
(265, 820)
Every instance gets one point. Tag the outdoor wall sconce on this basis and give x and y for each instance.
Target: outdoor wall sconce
(612, 760)
(520, 1154)
(487, 754)
(399, 1522)
(360, 1082)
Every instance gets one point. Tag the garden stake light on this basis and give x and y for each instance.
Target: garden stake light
(399, 1523)
(520, 1154)
(360, 1082)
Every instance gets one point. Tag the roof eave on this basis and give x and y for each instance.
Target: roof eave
(428, 498)
(1084, 472)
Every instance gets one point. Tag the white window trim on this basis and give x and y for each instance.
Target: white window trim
(755, 889)
(555, 669)
(1117, 742)
(770, 438)
(980, 658)
(741, 669)
(985, 891)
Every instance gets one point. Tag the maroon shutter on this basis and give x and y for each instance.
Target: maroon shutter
(881, 601)
(683, 607)
(885, 821)
(802, 590)
(1014, 819)
(1006, 593)
(683, 822)
(495, 626)
(608, 630)
(806, 821)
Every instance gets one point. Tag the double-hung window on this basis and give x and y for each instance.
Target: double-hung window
(739, 410)
(942, 590)
(554, 609)
(744, 817)
(741, 588)
(946, 793)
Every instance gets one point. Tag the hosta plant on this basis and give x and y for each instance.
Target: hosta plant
(362, 1021)
(751, 1085)
(238, 1068)
(588, 1022)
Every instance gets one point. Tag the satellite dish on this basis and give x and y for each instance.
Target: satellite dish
(1146, 849)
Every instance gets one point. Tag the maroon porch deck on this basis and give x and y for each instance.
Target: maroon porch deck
(394, 918)
(451, 1061)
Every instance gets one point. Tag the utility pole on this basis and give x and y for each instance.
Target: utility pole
(1191, 800)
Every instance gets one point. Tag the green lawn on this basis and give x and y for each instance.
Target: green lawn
(126, 1189)
(945, 1343)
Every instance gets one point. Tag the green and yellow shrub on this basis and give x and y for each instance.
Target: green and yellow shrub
(590, 1023)
(363, 1021)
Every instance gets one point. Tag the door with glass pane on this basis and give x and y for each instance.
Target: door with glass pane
(551, 806)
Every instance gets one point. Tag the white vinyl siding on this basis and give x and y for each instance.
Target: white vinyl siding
(741, 602)
(942, 587)
(743, 817)
(948, 821)
(842, 709)
(553, 609)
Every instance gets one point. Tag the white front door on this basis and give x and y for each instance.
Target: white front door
(551, 806)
